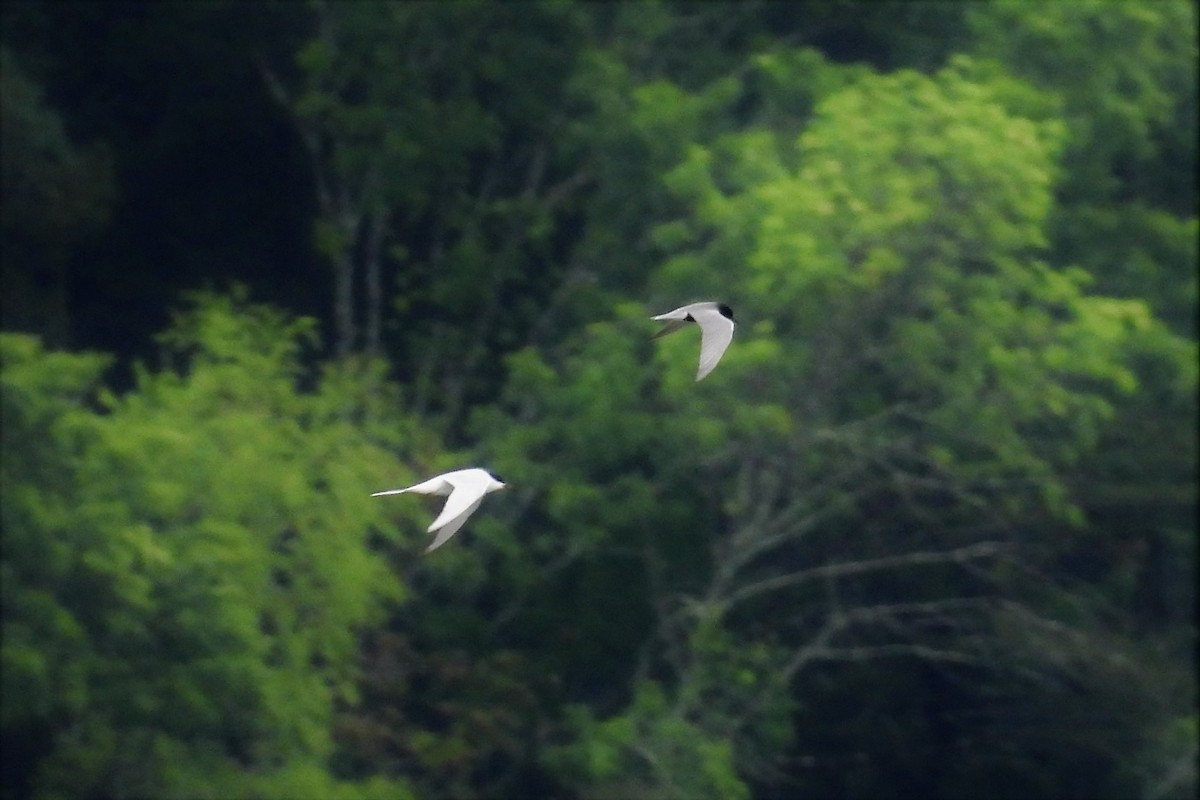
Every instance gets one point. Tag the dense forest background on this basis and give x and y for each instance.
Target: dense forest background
(929, 530)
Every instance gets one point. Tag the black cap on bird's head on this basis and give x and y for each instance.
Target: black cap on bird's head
(495, 477)
(726, 311)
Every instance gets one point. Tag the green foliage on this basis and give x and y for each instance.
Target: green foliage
(650, 753)
(190, 568)
(441, 180)
(52, 186)
(584, 435)
(43, 671)
(910, 237)
(453, 723)
(1122, 110)
(899, 247)
(939, 478)
(189, 777)
(56, 194)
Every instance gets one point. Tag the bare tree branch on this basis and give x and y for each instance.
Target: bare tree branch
(920, 558)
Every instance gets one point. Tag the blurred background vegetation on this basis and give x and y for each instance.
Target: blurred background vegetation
(928, 531)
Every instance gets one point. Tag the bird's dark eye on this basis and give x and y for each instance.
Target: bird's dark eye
(496, 477)
(726, 311)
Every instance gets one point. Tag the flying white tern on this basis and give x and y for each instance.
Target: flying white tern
(466, 488)
(716, 330)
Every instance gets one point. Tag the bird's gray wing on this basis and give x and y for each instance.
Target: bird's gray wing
(451, 527)
(670, 327)
(680, 313)
(675, 320)
(716, 332)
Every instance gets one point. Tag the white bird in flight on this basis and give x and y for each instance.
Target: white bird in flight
(466, 488)
(716, 330)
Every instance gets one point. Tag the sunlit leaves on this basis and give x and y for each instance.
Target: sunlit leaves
(1115, 104)
(44, 640)
(219, 561)
(911, 224)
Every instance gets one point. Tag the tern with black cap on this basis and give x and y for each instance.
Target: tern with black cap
(466, 489)
(716, 330)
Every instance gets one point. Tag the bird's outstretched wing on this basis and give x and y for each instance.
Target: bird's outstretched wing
(670, 327)
(450, 528)
(716, 332)
(675, 320)
(469, 488)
